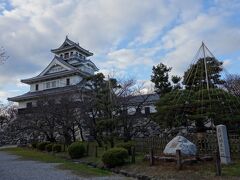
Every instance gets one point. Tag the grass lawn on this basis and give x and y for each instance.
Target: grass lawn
(162, 170)
(232, 170)
(200, 170)
(167, 170)
(80, 169)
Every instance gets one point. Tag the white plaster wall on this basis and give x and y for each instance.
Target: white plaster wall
(75, 79)
(152, 109)
(132, 110)
(86, 68)
(72, 61)
(61, 83)
(23, 104)
(33, 87)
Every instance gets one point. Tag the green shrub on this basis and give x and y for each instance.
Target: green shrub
(57, 148)
(115, 157)
(127, 146)
(34, 145)
(42, 145)
(49, 147)
(76, 150)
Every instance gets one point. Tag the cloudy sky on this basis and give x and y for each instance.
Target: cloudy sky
(127, 37)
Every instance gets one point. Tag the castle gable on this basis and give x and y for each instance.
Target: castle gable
(57, 65)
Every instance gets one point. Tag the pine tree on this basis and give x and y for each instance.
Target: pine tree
(195, 77)
(199, 103)
(160, 78)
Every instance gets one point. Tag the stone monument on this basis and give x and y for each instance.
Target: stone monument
(223, 144)
(180, 143)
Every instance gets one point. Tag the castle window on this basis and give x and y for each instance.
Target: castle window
(66, 55)
(48, 85)
(36, 87)
(29, 104)
(71, 54)
(147, 110)
(138, 110)
(67, 81)
(53, 84)
(61, 55)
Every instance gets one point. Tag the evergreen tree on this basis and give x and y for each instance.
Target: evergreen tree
(160, 78)
(176, 82)
(184, 107)
(198, 104)
(195, 77)
(101, 107)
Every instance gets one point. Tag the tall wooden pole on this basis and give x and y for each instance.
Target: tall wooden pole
(110, 95)
(205, 65)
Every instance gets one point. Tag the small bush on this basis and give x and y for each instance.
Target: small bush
(34, 145)
(115, 157)
(76, 150)
(127, 146)
(42, 145)
(49, 147)
(57, 148)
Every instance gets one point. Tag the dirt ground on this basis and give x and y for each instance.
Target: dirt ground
(168, 170)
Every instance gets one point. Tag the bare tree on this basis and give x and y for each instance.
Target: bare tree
(114, 109)
(7, 117)
(38, 122)
(67, 118)
(3, 55)
(105, 110)
(232, 84)
(131, 100)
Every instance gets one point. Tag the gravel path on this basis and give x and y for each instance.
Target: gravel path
(12, 168)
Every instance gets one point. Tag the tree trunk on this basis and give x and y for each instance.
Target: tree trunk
(99, 142)
(73, 135)
(68, 138)
(200, 126)
(112, 142)
(81, 132)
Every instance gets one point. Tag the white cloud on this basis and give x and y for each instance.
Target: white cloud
(147, 86)
(113, 73)
(127, 34)
(185, 39)
(227, 63)
(125, 58)
(4, 94)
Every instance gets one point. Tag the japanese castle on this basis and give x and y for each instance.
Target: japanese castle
(67, 70)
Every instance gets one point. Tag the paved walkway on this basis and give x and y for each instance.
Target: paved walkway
(12, 168)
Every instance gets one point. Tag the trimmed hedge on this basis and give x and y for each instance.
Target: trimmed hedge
(57, 148)
(76, 150)
(42, 145)
(115, 157)
(126, 145)
(34, 145)
(49, 147)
